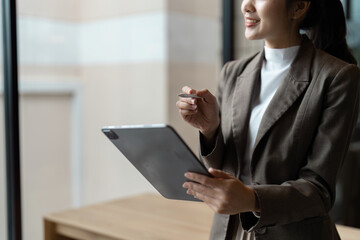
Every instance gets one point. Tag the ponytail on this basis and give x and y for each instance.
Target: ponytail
(325, 25)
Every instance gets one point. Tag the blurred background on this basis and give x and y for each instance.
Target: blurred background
(85, 64)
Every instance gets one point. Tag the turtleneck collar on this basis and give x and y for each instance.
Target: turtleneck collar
(280, 58)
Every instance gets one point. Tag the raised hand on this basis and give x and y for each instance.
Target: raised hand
(203, 113)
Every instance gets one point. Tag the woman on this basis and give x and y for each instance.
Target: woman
(275, 137)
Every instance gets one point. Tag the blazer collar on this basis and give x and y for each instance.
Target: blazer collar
(295, 82)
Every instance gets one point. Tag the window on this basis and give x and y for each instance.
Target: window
(82, 67)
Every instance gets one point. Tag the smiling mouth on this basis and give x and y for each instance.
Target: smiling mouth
(251, 20)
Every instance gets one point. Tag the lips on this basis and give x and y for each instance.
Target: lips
(249, 22)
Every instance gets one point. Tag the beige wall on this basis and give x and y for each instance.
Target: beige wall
(126, 94)
(99, 9)
(205, 8)
(195, 62)
(45, 158)
(85, 10)
(198, 76)
(68, 10)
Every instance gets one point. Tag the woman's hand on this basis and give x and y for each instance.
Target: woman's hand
(223, 193)
(202, 114)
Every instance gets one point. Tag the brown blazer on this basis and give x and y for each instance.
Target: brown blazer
(301, 143)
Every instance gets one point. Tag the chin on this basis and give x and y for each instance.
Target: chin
(251, 37)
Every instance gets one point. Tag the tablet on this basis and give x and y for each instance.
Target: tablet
(159, 154)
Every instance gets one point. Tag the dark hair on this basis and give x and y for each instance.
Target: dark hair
(325, 25)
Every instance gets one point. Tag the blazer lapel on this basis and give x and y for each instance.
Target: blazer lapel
(292, 87)
(241, 105)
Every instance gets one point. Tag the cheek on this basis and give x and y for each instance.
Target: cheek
(276, 24)
(275, 15)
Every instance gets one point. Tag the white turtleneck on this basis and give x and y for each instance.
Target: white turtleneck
(275, 65)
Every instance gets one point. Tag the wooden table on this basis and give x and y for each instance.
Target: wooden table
(147, 216)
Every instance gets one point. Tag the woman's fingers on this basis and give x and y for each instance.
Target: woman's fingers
(188, 100)
(203, 113)
(205, 94)
(196, 188)
(188, 90)
(181, 105)
(185, 106)
(202, 179)
(220, 174)
(186, 109)
(186, 113)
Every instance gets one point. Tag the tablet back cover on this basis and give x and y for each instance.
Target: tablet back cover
(159, 154)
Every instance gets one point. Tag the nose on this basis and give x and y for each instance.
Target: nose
(247, 6)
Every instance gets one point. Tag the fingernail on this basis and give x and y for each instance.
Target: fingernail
(185, 185)
(187, 174)
(192, 101)
(193, 106)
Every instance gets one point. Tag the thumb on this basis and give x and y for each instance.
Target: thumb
(220, 174)
(207, 95)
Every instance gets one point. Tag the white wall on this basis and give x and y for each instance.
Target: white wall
(130, 39)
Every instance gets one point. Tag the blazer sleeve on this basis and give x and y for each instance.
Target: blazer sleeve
(213, 157)
(313, 193)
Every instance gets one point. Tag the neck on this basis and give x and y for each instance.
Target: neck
(285, 42)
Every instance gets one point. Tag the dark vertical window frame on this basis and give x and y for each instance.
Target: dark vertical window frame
(348, 9)
(228, 30)
(11, 100)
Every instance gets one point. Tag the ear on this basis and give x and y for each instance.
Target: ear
(300, 8)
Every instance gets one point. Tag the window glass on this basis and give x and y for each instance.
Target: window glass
(353, 29)
(88, 64)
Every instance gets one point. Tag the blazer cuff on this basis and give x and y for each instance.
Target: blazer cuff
(250, 220)
(256, 214)
(292, 201)
(212, 157)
